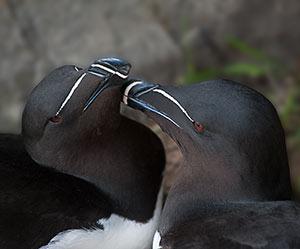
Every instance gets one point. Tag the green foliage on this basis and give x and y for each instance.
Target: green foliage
(261, 64)
(290, 106)
(246, 49)
(253, 65)
(193, 75)
(244, 69)
(290, 116)
(296, 139)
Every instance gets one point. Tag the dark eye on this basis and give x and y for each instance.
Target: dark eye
(77, 68)
(56, 119)
(199, 127)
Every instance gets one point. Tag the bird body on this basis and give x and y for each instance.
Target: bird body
(77, 177)
(233, 189)
(269, 225)
(37, 202)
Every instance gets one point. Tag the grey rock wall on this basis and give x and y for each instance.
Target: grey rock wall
(37, 36)
(205, 25)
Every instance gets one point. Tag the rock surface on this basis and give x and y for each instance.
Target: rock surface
(154, 35)
(204, 26)
(41, 35)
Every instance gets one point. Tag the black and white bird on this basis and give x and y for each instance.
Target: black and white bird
(233, 189)
(86, 177)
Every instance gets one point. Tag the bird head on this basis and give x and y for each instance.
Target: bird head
(71, 105)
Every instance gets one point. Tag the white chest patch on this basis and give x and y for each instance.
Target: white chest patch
(156, 241)
(118, 233)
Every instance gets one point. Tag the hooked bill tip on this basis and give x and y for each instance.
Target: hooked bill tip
(105, 69)
(113, 66)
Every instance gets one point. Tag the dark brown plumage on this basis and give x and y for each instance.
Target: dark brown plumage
(72, 168)
(233, 189)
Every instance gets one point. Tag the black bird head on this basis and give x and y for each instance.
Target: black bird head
(221, 123)
(64, 108)
(220, 108)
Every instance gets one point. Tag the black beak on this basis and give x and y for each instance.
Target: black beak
(105, 69)
(135, 89)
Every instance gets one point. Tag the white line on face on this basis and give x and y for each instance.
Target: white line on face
(165, 94)
(75, 86)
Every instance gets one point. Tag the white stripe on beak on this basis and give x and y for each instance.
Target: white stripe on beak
(110, 70)
(127, 90)
(125, 101)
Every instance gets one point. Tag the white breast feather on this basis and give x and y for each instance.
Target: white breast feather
(118, 233)
(156, 241)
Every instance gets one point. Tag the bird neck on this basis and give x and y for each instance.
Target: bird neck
(121, 164)
(217, 171)
(214, 173)
(207, 176)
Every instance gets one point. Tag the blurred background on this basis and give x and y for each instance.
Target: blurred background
(170, 42)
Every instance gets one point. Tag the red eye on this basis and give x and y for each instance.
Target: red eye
(56, 119)
(199, 127)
